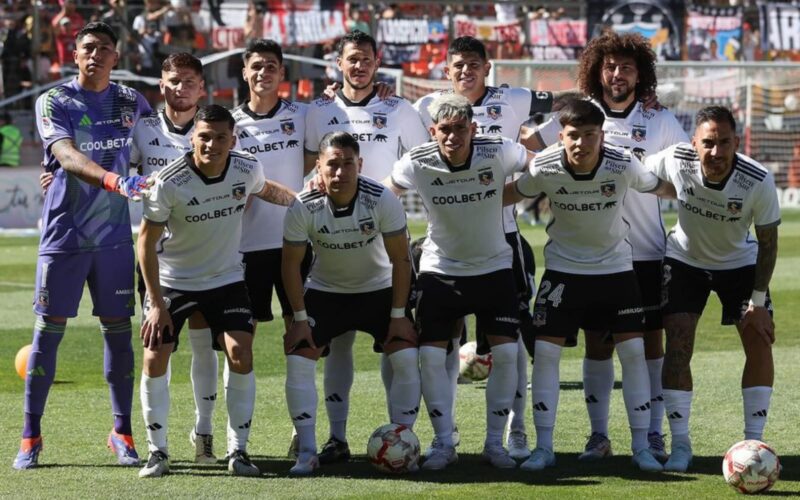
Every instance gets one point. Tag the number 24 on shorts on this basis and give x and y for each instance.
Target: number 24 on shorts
(545, 293)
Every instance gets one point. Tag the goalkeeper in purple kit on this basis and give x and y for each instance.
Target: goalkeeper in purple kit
(86, 127)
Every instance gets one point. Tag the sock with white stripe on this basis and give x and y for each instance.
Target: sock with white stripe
(500, 390)
(756, 405)
(301, 398)
(436, 390)
(240, 397)
(544, 391)
(519, 406)
(154, 393)
(678, 406)
(635, 390)
(205, 365)
(338, 381)
(405, 391)
(598, 382)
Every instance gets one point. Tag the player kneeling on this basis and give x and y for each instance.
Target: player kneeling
(359, 280)
(197, 266)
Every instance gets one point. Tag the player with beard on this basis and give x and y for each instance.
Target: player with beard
(618, 73)
(385, 129)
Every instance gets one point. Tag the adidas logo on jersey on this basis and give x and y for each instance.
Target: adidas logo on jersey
(333, 121)
(324, 230)
(154, 142)
(243, 134)
(437, 182)
(193, 202)
(562, 190)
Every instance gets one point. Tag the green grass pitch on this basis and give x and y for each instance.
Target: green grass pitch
(76, 464)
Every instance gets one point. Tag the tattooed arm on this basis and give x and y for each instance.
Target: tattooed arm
(756, 315)
(76, 163)
(274, 192)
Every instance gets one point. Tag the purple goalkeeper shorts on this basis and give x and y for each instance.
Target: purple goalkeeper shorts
(109, 274)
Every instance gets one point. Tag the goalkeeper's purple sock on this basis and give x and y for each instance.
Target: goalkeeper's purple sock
(118, 368)
(41, 372)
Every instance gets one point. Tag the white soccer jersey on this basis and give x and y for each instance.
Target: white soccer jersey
(643, 132)
(384, 129)
(713, 229)
(276, 139)
(465, 232)
(157, 142)
(501, 111)
(587, 231)
(349, 254)
(200, 247)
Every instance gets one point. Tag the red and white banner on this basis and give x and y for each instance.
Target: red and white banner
(488, 30)
(285, 27)
(558, 39)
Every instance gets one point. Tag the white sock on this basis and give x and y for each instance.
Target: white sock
(656, 395)
(519, 406)
(436, 390)
(240, 396)
(756, 404)
(453, 365)
(154, 393)
(635, 390)
(301, 398)
(338, 381)
(386, 377)
(544, 391)
(405, 390)
(500, 391)
(678, 406)
(598, 381)
(204, 378)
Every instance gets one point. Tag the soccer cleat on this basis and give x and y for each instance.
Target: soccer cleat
(157, 465)
(656, 440)
(306, 464)
(203, 447)
(334, 451)
(440, 457)
(435, 442)
(456, 436)
(294, 447)
(517, 443)
(28, 455)
(680, 459)
(239, 464)
(123, 447)
(498, 457)
(540, 459)
(645, 461)
(598, 446)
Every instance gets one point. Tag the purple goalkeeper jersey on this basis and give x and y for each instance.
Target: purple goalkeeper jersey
(78, 217)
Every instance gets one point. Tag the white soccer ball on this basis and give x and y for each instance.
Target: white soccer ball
(751, 467)
(474, 366)
(394, 448)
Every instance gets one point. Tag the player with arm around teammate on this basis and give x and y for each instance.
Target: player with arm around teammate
(189, 254)
(720, 194)
(360, 280)
(617, 71)
(460, 180)
(86, 126)
(589, 281)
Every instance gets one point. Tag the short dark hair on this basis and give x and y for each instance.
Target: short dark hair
(214, 113)
(339, 140)
(357, 37)
(717, 114)
(256, 45)
(466, 44)
(97, 28)
(579, 112)
(179, 60)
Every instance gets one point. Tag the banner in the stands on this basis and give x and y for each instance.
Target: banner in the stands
(713, 33)
(659, 21)
(556, 39)
(488, 30)
(780, 29)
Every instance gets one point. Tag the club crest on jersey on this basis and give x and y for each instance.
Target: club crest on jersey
(608, 189)
(238, 191)
(43, 298)
(47, 125)
(379, 121)
(734, 205)
(539, 317)
(638, 133)
(494, 112)
(287, 127)
(126, 118)
(367, 227)
(486, 177)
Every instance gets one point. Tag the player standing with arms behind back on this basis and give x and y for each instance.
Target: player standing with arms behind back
(720, 194)
(86, 128)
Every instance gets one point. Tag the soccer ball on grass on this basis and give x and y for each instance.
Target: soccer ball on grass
(751, 466)
(474, 366)
(393, 448)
